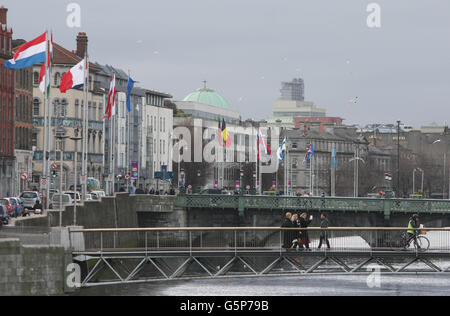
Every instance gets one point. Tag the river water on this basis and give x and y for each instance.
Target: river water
(317, 285)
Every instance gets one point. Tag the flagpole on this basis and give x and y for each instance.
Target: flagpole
(49, 116)
(85, 126)
(128, 138)
(44, 157)
(112, 166)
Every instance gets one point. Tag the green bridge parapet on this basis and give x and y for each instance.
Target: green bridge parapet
(252, 202)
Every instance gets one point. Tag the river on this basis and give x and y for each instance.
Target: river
(323, 285)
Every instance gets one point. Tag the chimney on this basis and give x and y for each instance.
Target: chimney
(3, 14)
(82, 43)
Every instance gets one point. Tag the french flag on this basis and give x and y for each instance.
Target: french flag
(73, 79)
(29, 54)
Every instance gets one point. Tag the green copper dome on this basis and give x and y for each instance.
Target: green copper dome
(208, 96)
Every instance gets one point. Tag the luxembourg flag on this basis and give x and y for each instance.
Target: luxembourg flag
(29, 54)
(73, 79)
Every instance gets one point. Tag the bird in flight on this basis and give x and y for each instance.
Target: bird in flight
(354, 100)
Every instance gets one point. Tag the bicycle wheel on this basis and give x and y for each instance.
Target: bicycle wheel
(423, 243)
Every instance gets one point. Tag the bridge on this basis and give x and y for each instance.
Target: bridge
(387, 207)
(124, 256)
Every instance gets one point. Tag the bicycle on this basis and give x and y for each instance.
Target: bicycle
(420, 242)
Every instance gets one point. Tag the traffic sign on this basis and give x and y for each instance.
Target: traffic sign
(54, 166)
(127, 177)
(83, 180)
(24, 176)
(44, 182)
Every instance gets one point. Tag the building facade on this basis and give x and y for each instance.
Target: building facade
(355, 159)
(7, 112)
(23, 127)
(205, 163)
(140, 137)
(67, 113)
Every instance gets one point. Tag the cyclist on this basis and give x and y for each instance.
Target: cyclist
(413, 227)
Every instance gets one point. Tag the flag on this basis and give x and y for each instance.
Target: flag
(129, 89)
(225, 135)
(310, 153)
(219, 134)
(258, 142)
(262, 142)
(334, 159)
(46, 70)
(29, 54)
(74, 78)
(111, 107)
(281, 151)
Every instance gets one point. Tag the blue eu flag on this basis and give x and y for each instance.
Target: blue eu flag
(129, 89)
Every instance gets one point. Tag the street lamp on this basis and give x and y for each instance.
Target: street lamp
(61, 138)
(75, 186)
(414, 179)
(439, 141)
(398, 158)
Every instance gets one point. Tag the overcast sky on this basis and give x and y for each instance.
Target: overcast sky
(245, 48)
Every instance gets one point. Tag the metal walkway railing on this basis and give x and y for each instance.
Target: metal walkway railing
(115, 256)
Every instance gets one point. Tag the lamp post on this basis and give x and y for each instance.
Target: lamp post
(414, 179)
(75, 186)
(61, 138)
(445, 166)
(398, 158)
(241, 174)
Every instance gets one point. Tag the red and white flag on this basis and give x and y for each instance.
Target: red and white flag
(111, 108)
(74, 79)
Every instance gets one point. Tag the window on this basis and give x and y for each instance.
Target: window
(57, 79)
(123, 135)
(36, 107)
(35, 78)
(77, 106)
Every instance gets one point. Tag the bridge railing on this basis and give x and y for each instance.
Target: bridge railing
(246, 202)
(261, 239)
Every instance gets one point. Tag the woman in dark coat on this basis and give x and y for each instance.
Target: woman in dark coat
(304, 223)
(287, 235)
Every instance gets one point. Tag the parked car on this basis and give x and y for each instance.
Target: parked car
(99, 194)
(66, 200)
(89, 197)
(29, 199)
(73, 194)
(9, 206)
(3, 215)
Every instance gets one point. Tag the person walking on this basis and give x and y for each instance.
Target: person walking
(304, 223)
(324, 233)
(287, 223)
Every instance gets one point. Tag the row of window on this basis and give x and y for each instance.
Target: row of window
(22, 138)
(155, 100)
(23, 79)
(56, 78)
(60, 109)
(6, 76)
(152, 122)
(5, 42)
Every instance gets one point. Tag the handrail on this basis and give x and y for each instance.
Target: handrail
(187, 229)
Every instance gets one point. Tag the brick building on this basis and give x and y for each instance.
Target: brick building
(7, 82)
(23, 125)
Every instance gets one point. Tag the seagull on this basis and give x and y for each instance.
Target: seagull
(354, 100)
(438, 141)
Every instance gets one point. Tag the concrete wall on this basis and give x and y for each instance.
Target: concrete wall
(31, 270)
